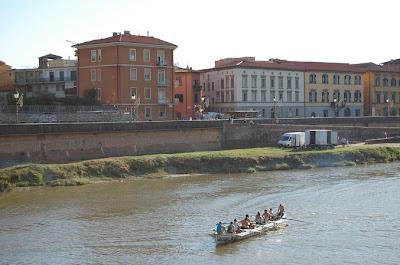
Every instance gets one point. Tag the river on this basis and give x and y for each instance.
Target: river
(352, 217)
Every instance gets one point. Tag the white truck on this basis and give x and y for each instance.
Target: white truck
(292, 139)
(321, 138)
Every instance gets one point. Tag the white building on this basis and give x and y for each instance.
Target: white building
(55, 76)
(244, 84)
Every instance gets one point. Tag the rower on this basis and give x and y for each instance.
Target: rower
(230, 228)
(281, 211)
(258, 219)
(237, 226)
(246, 224)
(265, 216)
(271, 215)
(220, 228)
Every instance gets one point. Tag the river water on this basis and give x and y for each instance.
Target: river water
(352, 217)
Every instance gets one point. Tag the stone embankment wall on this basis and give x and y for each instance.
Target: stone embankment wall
(63, 142)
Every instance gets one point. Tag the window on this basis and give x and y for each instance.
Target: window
(272, 81)
(254, 95)
(162, 95)
(51, 76)
(212, 86)
(93, 74)
(263, 82)
(99, 55)
(178, 81)
(179, 98)
(208, 86)
(393, 97)
(357, 80)
(378, 97)
(147, 112)
(61, 76)
(324, 79)
(146, 55)
(222, 83)
(254, 81)
(161, 76)
(357, 96)
(93, 55)
(227, 81)
(393, 82)
(336, 95)
(281, 96)
(377, 81)
(280, 84)
(73, 75)
(147, 74)
(147, 92)
(357, 112)
(347, 96)
(296, 83)
(160, 57)
(133, 74)
(132, 54)
(312, 78)
(297, 96)
(244, 81)
(161, 110)
(272, 96)
(347, 79)
(385, 97)
(385, 82)
(218, 96)
(98, 94)
(133, 92)
(232, 96)
(222, 97)
(325, 96)
(289, 96)
(263, 96)
(312, 96)
(232, 81)
(336, 79)
(244, 95)
(289, 82)
(98, 75)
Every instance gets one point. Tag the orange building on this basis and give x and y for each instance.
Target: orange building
(7, 78)
(133, 72)
(187, 93)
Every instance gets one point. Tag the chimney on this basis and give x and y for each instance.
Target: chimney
(127, 32)
(115, 33)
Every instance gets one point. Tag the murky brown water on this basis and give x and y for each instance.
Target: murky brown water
(353, 215)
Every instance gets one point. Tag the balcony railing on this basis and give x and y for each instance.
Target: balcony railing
(43, 80)
(161, 63)
(163, 82)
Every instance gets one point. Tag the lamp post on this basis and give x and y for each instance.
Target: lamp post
(336, 107)
(133, 110)
(387, 101)
(19, 98)
(275, 114)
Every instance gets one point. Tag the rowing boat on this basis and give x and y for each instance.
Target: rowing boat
(225, 238)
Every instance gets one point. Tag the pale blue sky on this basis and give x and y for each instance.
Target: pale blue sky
(313, 30)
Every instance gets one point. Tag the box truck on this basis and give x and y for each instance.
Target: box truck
(292, 139)
(321, 138)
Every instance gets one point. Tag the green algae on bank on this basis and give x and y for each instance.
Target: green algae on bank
(226, 161)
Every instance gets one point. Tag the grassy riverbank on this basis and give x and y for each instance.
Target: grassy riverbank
(228, 161)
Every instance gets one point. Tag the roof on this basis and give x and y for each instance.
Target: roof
(184, 70)
(391, 68)
(50, 56)
(127, 38)
(292, 65)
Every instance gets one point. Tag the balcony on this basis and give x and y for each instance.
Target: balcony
(161, 63)
(197, 87)
(163, 82)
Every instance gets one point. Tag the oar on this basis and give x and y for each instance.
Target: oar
(296, 220)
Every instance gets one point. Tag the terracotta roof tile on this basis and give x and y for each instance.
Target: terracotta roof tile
(127, 38)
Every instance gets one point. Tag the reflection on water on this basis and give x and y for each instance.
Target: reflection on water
(351, 211)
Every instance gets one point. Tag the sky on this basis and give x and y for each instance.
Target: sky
(352, 31)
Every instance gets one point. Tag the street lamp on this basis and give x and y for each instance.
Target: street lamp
(19, 98)
(133, 110)
(275, 115)
(336, 107)
(386, 110)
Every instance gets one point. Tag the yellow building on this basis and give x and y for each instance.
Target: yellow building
(6, 77)
(331, 89)
(381, 90)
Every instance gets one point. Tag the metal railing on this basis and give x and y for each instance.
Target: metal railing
(58, 109)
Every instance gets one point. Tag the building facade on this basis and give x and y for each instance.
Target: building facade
(382, 90)
(243, 84)
(187, 93)
(7, 80)
(133, 72)
(54, 77)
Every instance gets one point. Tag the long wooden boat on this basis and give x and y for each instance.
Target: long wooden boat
(225, 238)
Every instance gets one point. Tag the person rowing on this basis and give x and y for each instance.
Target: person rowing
(230, 229)
(271, 215)
(220, 228)
(246, 224)
(265, 216)
(258, 219)
(236, 226)
(281, 211)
